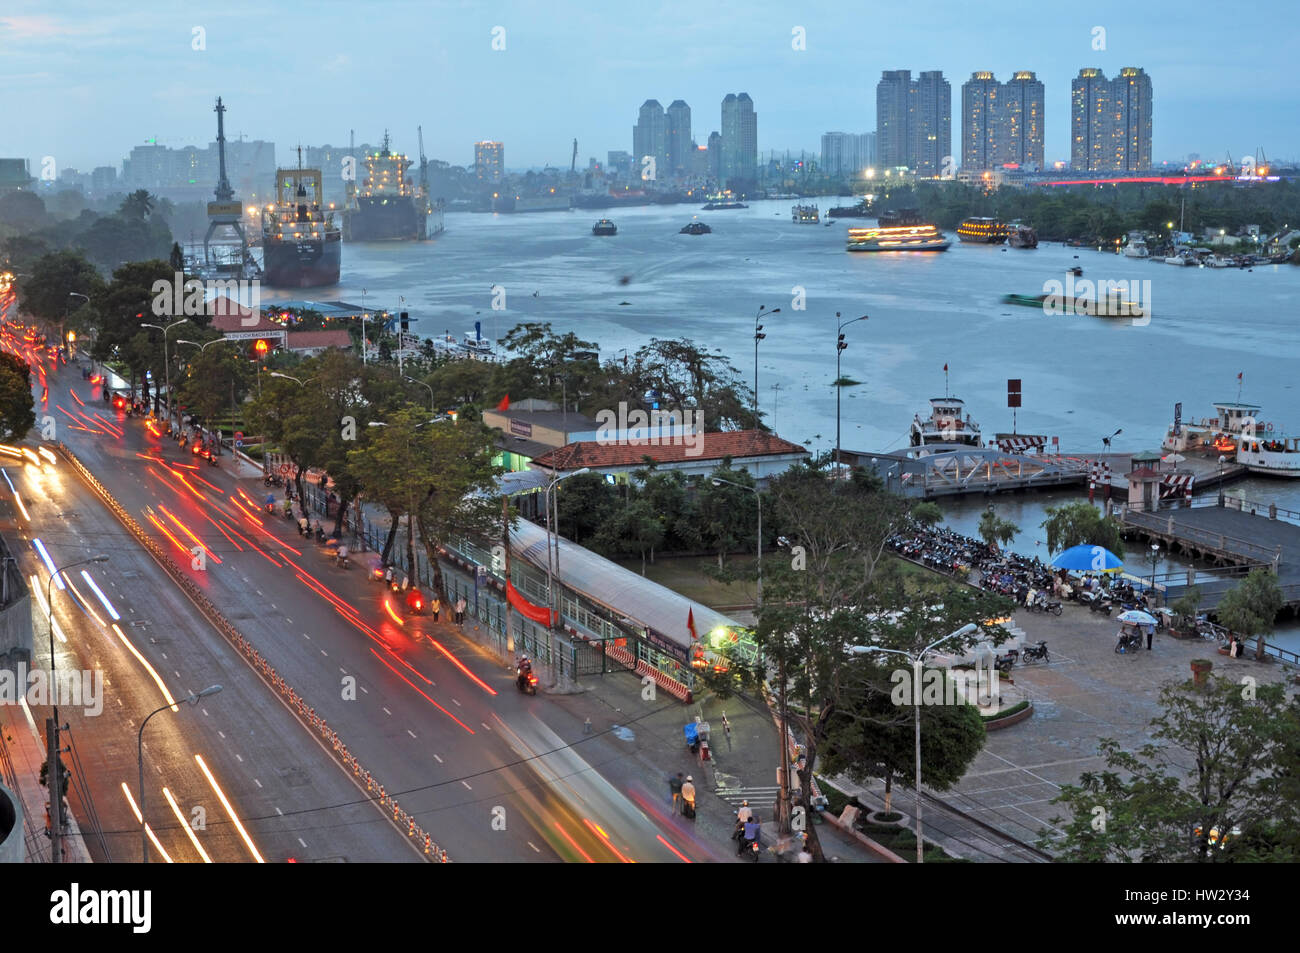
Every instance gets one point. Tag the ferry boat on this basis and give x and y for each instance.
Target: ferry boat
(604, 227)
(891, 217)
(1110, 306)
(723, 200)
(945, 425)
(1236, 430)
(1021, 236)
(695, 228)
(476, 344)
(984, 231)
(805, 215)
(899, 238)
(1270, 455)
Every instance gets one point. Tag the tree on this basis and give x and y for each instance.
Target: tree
(994, 530)
(136, 206)
(926, 514)
(1217, 764)
(727, 515)
(17, 406)
(213, 380)
(871, 733)
(47, 293)
(1080, 523)
(22, 210)
(1252, 607)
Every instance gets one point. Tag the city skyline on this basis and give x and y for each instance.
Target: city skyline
(73, 102)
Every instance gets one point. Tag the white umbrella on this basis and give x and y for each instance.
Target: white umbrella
(1137, 617)
(1174, 458)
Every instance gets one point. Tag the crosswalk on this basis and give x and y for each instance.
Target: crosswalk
(758, 797)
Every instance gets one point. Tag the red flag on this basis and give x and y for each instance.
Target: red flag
(945, 368)
(690, 624)
(1239, 373)
(505, 403)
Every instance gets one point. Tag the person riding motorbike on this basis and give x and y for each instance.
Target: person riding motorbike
(752, 832)
(270, 502)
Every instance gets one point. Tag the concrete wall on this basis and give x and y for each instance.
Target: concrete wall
(12, 844)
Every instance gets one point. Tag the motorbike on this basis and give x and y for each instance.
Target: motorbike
(1128, 642)
(270, 508)
(1003, 663)
(526, 681)
(1035, 653)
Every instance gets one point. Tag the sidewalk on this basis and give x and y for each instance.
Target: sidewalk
(25, 747)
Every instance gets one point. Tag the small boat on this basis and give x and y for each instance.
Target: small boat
(1076, 271)
(984, 231)
(696, 228)
(805, 215)
(1181, 260)
(1136, 247)
(1268, 454)
(1021, 236)
(1058, 304)
(604, 227)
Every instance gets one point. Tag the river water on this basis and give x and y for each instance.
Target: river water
(1083, 377)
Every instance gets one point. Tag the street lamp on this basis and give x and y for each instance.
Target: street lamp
(55, 754)
(1155, 554)
(554, 570)
(167, 368)
(290, 377)
(71, 294)
(204, 347)
(426, 387)
(758, 499)
(758, 336)
(1222, 461)
(193, 699)
(840, 345)
(916, 661)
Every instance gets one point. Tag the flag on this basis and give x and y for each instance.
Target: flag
(505, 403)
(1239, 373)
(945, 368)
(690, 624)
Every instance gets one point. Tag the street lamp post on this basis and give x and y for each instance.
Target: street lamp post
(63, 334)
(167, 368)
(840, 345)
(758, 500)
(193, 699)
(758, 336)
(426, 387)
(54, 773)
(204, 347)
(916, 661)
(553, 568)
(1155, 554)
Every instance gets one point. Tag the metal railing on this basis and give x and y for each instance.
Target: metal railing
(1220, 542)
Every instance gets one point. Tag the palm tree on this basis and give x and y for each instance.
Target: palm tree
(138, 205)
(994, 530)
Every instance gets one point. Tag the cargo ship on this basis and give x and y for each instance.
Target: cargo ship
(861, 210)
(898, 238)
(386, 206)
(302, 245)
(984, 231)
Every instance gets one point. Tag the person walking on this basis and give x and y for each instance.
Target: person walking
(675, 786)
(460, 611)
(435, 607)
(688, 797)
(1151, 631)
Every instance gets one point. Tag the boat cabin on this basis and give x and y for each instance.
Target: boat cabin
(945, 425)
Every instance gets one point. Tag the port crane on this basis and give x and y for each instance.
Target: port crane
(424, 186)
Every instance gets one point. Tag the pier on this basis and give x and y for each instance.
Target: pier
(1235, 535)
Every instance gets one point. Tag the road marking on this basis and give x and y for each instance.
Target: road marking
(257, 782)
(324, 653)
(458, 704)
(436, 758)
(287, 619)
(222, 734)
(178, 674)
(364, 689)
(163, 654)
(486, 725)
(241, 760)
(204, 710)
(119, 701)
(467, 787)
(343, 670)
(274, 606)
(280, 812)
(410, 732)
(533, 846)
(301, 841)
(259, 591)
(387, 712)
(306, 636)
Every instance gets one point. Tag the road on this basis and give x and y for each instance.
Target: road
(435, 720)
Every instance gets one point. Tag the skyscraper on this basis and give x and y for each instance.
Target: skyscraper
(739, 161)
(1131, 112)
(1022, 134)
(489, 162)
(1110, 121)
(714, 151)
(895, 105)
(932, 131)
(678, 137)
(650, 138)
(980, 119)
(1089, 120)
(844, 153)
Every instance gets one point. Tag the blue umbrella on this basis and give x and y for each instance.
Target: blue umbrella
(1086, 558)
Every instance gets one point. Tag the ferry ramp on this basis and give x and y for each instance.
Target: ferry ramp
(956, 470)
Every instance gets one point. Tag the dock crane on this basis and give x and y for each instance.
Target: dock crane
(424, 186)
(573, 163)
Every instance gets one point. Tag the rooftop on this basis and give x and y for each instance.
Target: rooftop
(715, 445)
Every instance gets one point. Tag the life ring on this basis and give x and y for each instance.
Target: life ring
(1268, 427)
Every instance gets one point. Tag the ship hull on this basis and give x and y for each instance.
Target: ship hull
(927, 246)
(307, 264)
(395, 220)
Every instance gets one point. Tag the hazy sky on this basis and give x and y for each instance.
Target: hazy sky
(84, 82)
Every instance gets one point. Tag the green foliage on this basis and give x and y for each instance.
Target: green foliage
(994, 530)
(1080, 523)
(1007, 713)
(17, 406)
(46, 293)
(927, 513)
(1185, 609)
(1252, 606)
(1223, 756)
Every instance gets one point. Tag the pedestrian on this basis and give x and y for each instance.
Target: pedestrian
(804, 856)
(675, 786)
(688, 797)
(460, 611)
(586, 726)
(1151, 631)
(435, 607)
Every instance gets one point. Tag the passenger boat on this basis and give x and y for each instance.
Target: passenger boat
(945, 425)
(723, 200)
(805, 215)
(696, 228)
(1236, 431)
(983, 231)
(1021, 236)
(604, 227)
(1269, 454)
(899, 238)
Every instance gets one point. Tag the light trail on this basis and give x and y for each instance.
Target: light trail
(230, 811)
(608, 843)
(100, 593)
(162, 686)
(179, 545)
(422, 692)
(40, 599)
(185, 826)
(565, 835)
(186, 530)
(147, 829)
(461, 665)
(49, 563)
(685, 859)
(388, 607)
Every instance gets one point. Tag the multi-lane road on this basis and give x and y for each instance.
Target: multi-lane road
(434, 718)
